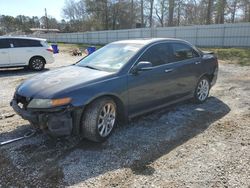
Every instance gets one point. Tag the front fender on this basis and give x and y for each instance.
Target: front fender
(114, 87)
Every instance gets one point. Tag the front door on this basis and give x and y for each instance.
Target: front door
(4, 52)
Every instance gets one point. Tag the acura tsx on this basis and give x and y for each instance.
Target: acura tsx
(117, 82)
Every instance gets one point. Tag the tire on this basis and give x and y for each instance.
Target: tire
(36, 63)
(202, 90)
(96, 125)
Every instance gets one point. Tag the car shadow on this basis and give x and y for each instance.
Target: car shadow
(20, 71)
(71, 161)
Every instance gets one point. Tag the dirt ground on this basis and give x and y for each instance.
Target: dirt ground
(184, 145)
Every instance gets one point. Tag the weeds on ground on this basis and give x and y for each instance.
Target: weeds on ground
(232, 55)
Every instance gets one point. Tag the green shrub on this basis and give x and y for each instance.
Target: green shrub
(232, 55)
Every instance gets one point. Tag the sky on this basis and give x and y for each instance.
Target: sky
(32, 8)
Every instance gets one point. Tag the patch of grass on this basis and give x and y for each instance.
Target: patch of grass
(232, 55)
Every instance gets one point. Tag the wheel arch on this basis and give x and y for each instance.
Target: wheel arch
(121, 108)
(210, 76)
(39, 57)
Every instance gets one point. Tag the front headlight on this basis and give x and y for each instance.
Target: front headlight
(48, 103)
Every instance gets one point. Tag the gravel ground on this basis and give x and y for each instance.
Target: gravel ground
(184, 145)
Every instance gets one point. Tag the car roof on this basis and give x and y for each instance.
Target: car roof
(146, 41)
(21, 37)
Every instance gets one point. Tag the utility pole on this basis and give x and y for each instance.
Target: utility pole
(46, 20)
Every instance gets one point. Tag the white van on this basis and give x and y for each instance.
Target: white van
(25, 51)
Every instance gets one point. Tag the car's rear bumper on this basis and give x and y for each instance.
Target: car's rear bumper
(50, 59)
(59, 122)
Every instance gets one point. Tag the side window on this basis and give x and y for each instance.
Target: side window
(4, 43)
(35, 43)
(158, 54)
(25, 43)
(18, 43)
(183, 51)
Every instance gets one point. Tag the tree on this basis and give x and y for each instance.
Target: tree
(220, 11)
(232, 6)
(142, 13)
(209, 11)
(52, 22)
(160, 11)
(180, 9)
(171, 5)
(151, 12)
(246, 7)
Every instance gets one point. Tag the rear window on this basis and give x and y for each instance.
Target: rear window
(4, 43)
(182, 52)
(26, 43)
(44, 43)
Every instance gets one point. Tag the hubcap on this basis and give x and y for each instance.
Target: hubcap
(37, 64)
(106, 119)
(202, 90)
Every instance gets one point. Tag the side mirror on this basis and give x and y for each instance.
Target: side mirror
(142, 66)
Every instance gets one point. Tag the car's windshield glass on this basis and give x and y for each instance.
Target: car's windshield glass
(111, 57)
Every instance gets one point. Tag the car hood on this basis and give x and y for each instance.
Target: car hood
(48, 84)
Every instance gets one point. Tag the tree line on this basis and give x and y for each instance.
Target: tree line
(89, 15)
(23, 23)
(85, 15)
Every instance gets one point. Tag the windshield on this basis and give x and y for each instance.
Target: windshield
(111, 57)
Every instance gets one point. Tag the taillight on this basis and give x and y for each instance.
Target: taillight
(50, 50)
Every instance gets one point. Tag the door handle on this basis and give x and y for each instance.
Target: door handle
(168, 70)
(197, 62)
(3, 52)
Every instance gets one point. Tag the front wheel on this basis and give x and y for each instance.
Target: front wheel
(99, 119)
(202, 90)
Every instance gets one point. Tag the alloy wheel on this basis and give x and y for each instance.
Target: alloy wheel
(203, 89)
(37, 64)
(106, 119)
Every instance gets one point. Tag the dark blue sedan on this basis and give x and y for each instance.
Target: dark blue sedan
(117, 82)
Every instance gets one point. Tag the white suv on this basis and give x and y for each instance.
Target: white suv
(25, 51)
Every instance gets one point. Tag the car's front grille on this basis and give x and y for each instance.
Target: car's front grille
(23, 100)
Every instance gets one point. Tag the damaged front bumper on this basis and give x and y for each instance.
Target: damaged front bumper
(58, 121)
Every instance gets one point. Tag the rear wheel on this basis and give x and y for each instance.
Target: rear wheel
(36, 63)
(99, 119)
(202, 90)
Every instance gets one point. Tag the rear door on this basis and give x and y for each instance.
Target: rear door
(4, 52)
(23, 50)
(186, 62)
